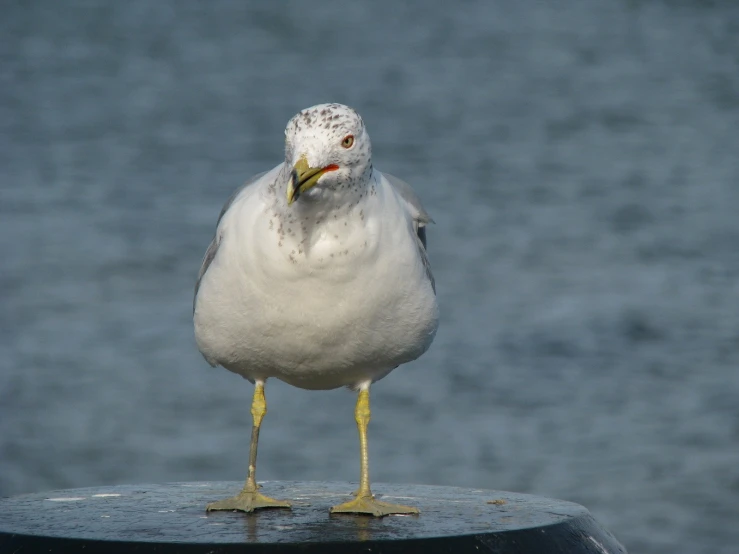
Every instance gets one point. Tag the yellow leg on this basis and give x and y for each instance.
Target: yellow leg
(249, 499)
(364, 502)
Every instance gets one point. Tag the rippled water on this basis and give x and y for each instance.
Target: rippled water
(579, 158)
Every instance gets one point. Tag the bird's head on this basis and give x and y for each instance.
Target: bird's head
(326, 148)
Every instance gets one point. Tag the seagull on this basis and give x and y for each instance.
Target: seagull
(317, 276)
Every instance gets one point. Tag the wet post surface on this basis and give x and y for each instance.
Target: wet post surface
(171, 518)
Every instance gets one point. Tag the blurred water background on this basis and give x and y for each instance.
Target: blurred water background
(580, 158)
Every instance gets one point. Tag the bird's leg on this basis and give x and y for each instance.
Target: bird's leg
(249, 499)
(364, 502)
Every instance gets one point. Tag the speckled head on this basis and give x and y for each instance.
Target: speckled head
(326, 147)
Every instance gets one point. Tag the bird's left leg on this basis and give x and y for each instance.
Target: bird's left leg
(250, 499)
(364, 502)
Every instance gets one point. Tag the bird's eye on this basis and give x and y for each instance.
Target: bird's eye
(348, 141)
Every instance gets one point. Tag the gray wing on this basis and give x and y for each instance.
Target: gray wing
(210, 254)
(421, 218)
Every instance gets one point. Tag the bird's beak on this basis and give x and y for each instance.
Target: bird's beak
(303, 177)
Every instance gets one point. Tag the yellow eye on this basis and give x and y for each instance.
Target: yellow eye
(348, 141)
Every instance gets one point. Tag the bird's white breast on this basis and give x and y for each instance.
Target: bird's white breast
(318, 303)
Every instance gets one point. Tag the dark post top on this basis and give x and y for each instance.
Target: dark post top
(171, 518)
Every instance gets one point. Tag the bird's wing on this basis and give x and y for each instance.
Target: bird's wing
(421, 218)
(210, 254)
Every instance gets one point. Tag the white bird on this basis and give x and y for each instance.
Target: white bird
(317, 276)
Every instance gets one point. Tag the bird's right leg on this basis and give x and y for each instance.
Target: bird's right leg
(249, 499)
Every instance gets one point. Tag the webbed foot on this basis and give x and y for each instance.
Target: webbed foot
(367, 504)
(247, 501)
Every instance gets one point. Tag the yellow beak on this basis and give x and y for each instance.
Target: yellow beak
(303, 177)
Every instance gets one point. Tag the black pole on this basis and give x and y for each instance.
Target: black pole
(171, 518)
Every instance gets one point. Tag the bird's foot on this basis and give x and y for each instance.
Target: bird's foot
(247, 501)
(367, 504)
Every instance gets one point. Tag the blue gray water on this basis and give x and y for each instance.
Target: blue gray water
(580, 159)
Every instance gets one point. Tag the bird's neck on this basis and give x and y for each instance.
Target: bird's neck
(323, 203)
